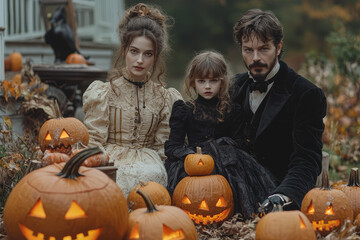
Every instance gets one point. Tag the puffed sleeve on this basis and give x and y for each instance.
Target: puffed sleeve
(95, 107)
(163, 130)
(175, 148)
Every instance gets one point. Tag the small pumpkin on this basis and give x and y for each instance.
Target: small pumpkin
(326, 208)
(75, 58)
(198, 164)
(159, 222)
(58, 135)
(205, 198)
(93, 161)
(352, 190)
(50, 157)
(284, 225)
(15, 61)
(156, 191)
(66, 201)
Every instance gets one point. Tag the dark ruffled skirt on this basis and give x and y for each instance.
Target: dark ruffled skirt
(250, 181)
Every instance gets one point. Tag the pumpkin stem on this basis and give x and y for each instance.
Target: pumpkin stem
(325, 182)
(57, 109)
(198, 150)
(354, 178)
(149, 203)
(142, 183)
(71, 168)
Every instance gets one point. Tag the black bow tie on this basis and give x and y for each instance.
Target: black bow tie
(260, 86)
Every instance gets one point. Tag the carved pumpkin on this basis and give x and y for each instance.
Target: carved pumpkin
(352, 190)
(65, 202)
(157, 192)
(326, 208)
(59, 134)
(160, 222)
(198, 164)
(284, 225)
(206, 199)
(93, 161)
(15, 61)
(75, 58)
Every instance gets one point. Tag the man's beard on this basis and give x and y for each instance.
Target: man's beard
(261, 77)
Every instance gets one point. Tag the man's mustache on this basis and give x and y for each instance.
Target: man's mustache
(257, 64)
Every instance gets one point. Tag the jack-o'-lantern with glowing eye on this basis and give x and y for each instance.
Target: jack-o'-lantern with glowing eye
(65, 202)
(326, 208)
(284, 225)
(198, 164)
(58, 135)
(160, 222)
(206, 199)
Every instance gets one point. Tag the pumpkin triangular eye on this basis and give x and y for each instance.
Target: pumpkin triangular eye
(64, 134)
(311, 209)
(221, 202)
(48, 137)
(203, 205)
(170, 234)
(201, 163)
(75, 211)
(135, 232)
(329, 210)
(186, 200)
(38, 210)
(302, 223)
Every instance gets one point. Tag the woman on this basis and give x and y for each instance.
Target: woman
(129, 115)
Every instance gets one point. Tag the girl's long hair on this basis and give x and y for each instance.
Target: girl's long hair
(209, 64)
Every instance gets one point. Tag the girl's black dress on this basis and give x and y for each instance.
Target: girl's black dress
(251, 183)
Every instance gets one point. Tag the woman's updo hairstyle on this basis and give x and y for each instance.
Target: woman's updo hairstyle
(142, 20)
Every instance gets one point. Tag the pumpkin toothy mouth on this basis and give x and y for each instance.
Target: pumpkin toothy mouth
(322, 226)
(61, 148)
(29, 235)
(208, 219)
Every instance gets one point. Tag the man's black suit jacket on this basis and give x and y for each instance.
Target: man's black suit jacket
(288, 140)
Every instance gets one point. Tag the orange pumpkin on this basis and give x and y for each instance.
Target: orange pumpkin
(326, 208)
(53, 157)
(156, 191)
(284, 225)
(198, 164)
(7, 63)
(75, 58)
(206, 199)
(58, 135)
(15, 61)
(352, 190)
(159, 222)
(66, 201)
(93, 161)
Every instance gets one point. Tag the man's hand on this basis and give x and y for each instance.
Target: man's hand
(269, 203)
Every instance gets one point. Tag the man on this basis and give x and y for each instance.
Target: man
(282, 111)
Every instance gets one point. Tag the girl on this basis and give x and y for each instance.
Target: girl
(129, 115)
(208, 122)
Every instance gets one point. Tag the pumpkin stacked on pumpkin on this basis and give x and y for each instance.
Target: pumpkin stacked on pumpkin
(58, 136)
(205, 198)
(66, 201)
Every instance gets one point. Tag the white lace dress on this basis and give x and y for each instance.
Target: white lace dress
(136, 147)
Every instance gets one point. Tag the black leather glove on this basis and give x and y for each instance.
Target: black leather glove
(269, 203)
